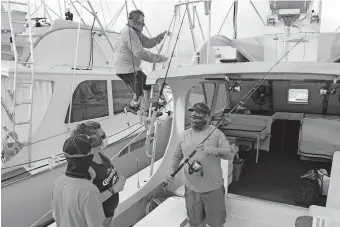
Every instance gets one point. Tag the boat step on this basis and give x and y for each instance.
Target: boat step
(24, 83)
(235, 221)
(176, 216)
(263, 211)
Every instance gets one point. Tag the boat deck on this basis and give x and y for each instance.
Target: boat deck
(274, 177)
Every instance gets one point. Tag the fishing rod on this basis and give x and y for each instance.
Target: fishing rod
(246, 97)
(167, 70)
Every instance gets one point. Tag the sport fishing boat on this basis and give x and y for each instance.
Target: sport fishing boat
(279, 100)
(51, 84)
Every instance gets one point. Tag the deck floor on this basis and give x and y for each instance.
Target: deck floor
(274, 177)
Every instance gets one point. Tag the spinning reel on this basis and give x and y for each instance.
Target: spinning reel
(195, 167)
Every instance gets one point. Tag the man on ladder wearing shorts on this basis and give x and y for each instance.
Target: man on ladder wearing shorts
(129, 53)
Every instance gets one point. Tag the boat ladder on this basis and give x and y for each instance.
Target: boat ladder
(22, 83)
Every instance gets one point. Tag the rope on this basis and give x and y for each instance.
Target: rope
(246, 96)
(148, 205)
(133, 61)
(337, 29)
(116, 155)
(75, 63)
(160, 49)
(40, 219)
(101, 6)
(91, 47)
(225, 18)
(172, 32)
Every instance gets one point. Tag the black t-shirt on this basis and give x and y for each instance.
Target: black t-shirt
(106, 176)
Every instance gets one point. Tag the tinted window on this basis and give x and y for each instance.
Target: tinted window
(221, 100)
(89, 101)
(209, 89)
(121, 95)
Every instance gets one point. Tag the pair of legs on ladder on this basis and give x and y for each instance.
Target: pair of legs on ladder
(138, 86)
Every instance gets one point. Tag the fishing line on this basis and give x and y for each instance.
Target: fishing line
(246, 96)
(172, 54)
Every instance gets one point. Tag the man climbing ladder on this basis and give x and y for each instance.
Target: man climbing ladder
(129, 53)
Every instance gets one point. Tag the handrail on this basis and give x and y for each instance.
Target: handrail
(13, 2)
(189, 3)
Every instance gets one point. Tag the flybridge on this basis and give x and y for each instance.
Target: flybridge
(291, 33)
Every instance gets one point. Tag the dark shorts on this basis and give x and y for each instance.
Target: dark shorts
(110, 205)
(208, 207)
(129, 79)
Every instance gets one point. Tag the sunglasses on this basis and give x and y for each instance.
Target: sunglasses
(196, 117)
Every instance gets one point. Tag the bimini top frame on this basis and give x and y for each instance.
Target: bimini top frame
(252, 70)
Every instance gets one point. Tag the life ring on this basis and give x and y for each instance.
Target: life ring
(10, 149)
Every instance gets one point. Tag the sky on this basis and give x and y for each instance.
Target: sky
(158, 14)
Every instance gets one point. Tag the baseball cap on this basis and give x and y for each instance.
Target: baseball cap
(78, 146)
(201, 108)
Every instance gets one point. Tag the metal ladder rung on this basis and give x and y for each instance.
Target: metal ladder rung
(23, 103)
(23, 62)
(24, 83)
(22, 123)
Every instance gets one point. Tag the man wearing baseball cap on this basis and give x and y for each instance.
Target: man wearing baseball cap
(204, 183)
(75, 199)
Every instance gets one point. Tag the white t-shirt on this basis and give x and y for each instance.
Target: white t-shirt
(76, 203)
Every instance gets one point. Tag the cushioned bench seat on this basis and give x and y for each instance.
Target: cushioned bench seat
(319, 137)
(244, 131)
(245, 128)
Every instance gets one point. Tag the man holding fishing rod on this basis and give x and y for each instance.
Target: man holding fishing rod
(204, 183)
(129, 53)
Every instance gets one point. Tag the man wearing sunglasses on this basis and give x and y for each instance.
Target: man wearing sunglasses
(130, 51)
(76, 201)
(204, 183)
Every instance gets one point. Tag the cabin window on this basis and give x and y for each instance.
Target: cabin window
(121, 95)
(166, 91)
(89, 101)
(196, 95)
(221, 100)
(135, 146)
(209, 89)
(298, 96)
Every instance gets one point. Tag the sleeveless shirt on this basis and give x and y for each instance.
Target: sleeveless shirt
(106, 176)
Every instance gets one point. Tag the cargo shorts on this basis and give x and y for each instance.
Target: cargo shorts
(208, 207)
